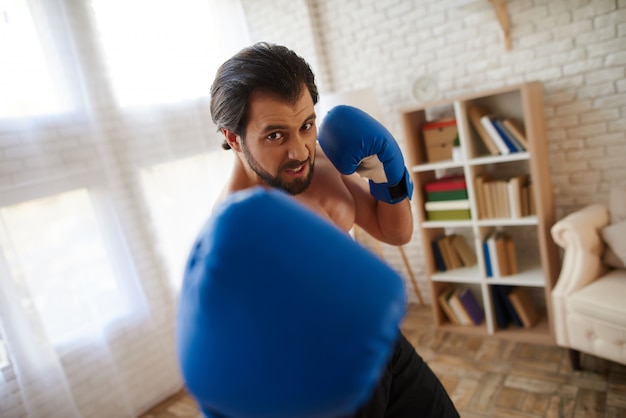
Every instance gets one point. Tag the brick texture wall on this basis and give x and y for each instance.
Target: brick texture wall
(576, 48)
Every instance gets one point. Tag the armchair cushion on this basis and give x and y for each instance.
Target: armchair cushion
(602, 299)
(614, 236)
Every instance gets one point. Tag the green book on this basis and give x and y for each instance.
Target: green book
(448, 215)
(447, 205)
(446, 195)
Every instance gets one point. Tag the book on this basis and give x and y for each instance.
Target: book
(503, 292)
(502, 317)
(471, 305)
(441, 266)
(479, 181)
(443, 195)
(509, 138)
(525, 201)
(494, 135)
(475, 113)
(458, 309)
(510, 255)
(441, 243)
(496, 198)
(501, 256)
(462, 248)
(493, 256)
(450, 257)
(443, 300)
(488, 199)
(447, 205)
(502, 199)
(446, 184)
(516, 130)
(448, 215)
(487, 258)
(516, 202)
(524, 307)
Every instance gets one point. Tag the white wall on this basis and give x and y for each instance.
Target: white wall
(577, 48)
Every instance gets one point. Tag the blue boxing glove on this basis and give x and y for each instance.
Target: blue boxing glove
(283, 315)
(355, 141)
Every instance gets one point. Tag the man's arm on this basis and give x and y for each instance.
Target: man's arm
(387, 222)
(355, 142)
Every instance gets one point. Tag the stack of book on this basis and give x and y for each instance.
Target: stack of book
(500, 135)
(439, 138)
(446, 199)
(500, 259)
(461, 306)
(514, 304)
(504, 198)
(452, 251)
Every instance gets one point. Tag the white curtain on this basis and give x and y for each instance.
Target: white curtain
(109, 164)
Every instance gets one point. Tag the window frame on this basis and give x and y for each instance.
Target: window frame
(115, 245)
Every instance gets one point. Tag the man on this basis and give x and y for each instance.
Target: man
(262, 100)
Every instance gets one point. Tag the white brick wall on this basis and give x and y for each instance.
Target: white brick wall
(576, 48)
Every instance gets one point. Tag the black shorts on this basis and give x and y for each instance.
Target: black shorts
(408, 388)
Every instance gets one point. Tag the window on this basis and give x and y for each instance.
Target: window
(158, 51)
(4, 358)
(181, 195)
(55, 249)
(25, 77)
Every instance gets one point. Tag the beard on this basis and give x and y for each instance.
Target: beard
(293, 187)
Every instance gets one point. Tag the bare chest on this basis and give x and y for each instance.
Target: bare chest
(328, 196)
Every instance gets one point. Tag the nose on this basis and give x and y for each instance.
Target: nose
(298, 149)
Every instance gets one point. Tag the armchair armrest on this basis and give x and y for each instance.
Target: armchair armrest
(579, 235)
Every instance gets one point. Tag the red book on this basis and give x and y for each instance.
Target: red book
(443, 123)
(446, 183)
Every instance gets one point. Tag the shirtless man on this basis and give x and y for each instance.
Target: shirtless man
(262, 100)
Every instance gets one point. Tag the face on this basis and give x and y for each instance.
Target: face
(279, 145)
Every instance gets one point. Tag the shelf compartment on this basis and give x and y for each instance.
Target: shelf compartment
(531, 276)
(460, 275)
(465, 223)
(525, 221)
(499, 159)
(441, 165)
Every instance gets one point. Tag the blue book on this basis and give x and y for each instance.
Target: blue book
(487, 258)
(441, 266)
(508, 136)
(502, 318)
(510, 145)
(510, 309)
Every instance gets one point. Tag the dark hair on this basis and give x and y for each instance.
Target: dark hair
(272, 68)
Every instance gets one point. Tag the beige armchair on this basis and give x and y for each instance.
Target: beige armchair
(589, 299)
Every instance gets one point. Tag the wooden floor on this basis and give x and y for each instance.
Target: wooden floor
(488, 377)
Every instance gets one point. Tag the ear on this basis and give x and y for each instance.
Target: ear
(232, 139)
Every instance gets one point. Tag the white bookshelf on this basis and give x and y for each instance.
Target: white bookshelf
(536, 254)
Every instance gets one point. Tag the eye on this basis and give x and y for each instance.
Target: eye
(275, 136)
(307, 126)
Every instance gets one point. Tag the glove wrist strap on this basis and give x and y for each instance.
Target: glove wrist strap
(393, 193)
